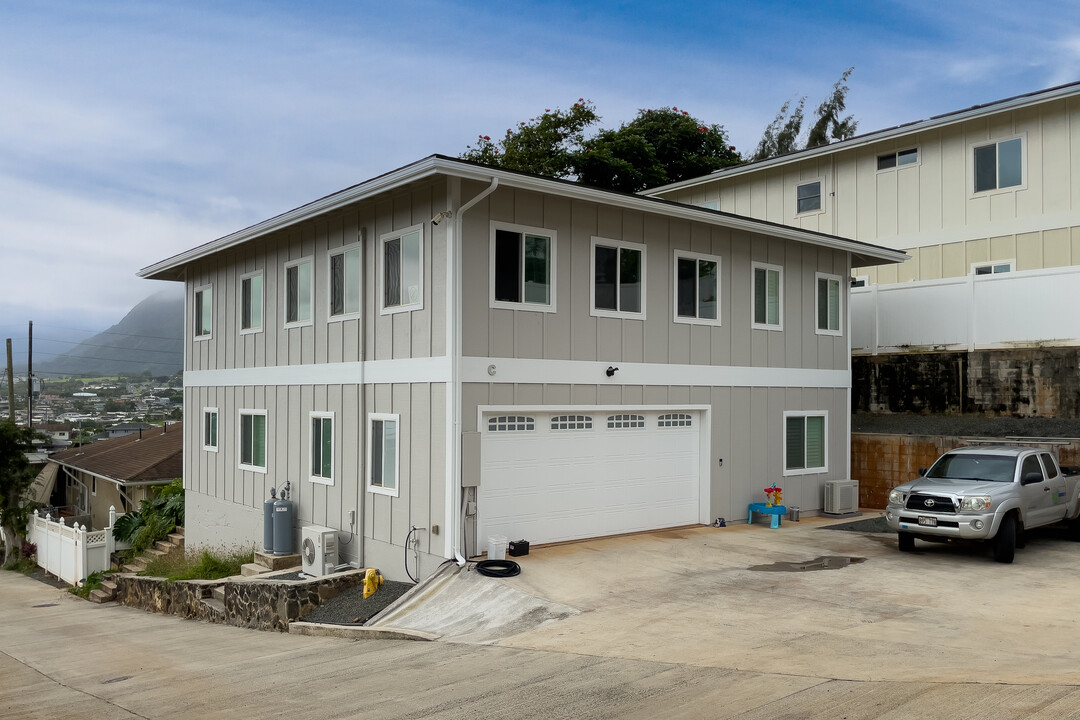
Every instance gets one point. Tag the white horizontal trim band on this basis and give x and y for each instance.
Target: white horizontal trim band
(405, 370)
(577, 372)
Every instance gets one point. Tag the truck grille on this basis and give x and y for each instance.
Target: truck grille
(930, 503)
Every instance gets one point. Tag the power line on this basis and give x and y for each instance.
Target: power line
(86, 344)
(108, 359)
(108, 332)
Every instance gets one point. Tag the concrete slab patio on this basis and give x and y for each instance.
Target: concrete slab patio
(689, 596)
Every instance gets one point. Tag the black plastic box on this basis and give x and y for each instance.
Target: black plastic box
(517, 548)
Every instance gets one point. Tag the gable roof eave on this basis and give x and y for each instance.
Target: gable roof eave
(172, 268)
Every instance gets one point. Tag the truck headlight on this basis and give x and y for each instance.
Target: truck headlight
(975, 502)
(896, 497)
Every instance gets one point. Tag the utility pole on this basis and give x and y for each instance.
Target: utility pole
(10, 384)
(30, 379)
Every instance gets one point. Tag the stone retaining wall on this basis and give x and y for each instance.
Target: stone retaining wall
(258, 603)
(881, 462)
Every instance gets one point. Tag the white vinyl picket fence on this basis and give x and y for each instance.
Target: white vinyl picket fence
(71, 553)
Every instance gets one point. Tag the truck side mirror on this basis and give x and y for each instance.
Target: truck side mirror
(1031, 478)
(922, 472)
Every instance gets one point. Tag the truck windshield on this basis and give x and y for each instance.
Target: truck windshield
(995, 468)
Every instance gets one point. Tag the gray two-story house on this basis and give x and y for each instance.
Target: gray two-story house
(456, 351)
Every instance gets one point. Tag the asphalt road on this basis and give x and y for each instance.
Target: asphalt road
(63, 657)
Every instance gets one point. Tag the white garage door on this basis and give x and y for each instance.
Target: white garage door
(554, 476)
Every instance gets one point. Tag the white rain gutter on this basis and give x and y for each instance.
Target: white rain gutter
(453, 351)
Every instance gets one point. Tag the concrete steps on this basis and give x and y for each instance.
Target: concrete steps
(160, 549)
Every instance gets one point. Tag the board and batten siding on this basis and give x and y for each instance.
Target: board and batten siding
(746, 431)
(572, 333)
(928, 209)
(373, 336)
(231, 505)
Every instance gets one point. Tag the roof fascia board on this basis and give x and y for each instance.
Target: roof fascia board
(875, 137)
(441, 165)
(383, 183)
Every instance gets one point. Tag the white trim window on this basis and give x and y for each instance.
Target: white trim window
(829, 304)
(299, 291)
(344, 286)
(898, 159)
(522, 267)
(383, 454)
(321, 455)
(251, 303)
(210, 429)
(806, 447)
(993, 267)
(203, 312)
(675, 420)
(809, 197)
(625, 421)
(697, 288)
(571, 422)
(997, 165)
(767, 303)
(252, 434)
(401, 265)
(618, 272)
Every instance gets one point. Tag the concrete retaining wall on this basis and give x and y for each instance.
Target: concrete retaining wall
(881, 462)
(1032, 382)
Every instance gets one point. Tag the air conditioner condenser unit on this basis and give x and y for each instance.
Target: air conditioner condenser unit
(841, 497)
(319, 550)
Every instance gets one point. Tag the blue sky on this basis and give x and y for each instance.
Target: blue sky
(131, 131)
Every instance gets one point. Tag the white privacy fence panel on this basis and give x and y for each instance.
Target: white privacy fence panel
(71, 553)
(969, 313)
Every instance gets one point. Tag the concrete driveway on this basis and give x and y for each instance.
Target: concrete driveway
(690, 596)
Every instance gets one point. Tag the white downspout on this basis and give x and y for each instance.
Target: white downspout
(453, 350)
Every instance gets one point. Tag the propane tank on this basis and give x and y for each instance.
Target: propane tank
(268, 522)
(283, 523)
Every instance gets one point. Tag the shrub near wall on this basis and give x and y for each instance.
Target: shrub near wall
(881, 462)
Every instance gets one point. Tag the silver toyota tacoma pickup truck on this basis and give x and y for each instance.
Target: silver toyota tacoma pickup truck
(990, 493)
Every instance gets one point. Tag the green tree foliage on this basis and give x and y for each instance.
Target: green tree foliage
(16, 476)
(545, 145)
(659, 146)
(781, 136)
(154, 520)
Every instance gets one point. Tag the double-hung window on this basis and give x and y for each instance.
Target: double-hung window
(805, 442)
(322, 447)
(253, 440)
(345, 282)
(298, 292)
(998, 165)
(828, 304)
(210, 429)
(697, 288)
(808, 196)
(383, 454)
(402, 260)
(251, 302)
(203, 312)
(768, 297)
(900, 158)
(522, 267)
(618, 270)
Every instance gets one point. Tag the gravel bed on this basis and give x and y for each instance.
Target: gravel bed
(350, 607)
(870, 525)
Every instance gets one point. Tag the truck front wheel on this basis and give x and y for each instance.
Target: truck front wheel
(905, 541)
(1005, 540)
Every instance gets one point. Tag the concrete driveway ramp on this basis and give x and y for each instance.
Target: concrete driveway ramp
(461, 605)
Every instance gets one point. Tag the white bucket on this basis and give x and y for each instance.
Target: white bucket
(497, 545)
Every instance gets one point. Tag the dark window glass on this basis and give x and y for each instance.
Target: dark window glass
(392, 272)
(985, 168)
(507, 266)
(687, 281)
(884, 162)
(607, 272)
(337, 284)
(629, 280)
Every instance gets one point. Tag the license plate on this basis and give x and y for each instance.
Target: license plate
(927, 521)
